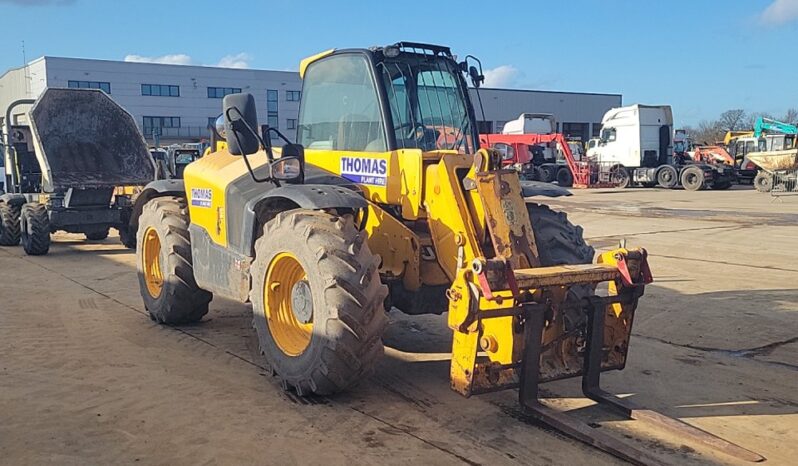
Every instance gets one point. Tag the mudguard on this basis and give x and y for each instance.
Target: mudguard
(151, 191)
(13, 199)
(304, 196)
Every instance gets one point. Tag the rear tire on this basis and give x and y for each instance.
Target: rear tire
(693, 179)
(547, 173)
(165, 269)
(564, 177)
(667, 177)
(335, 338)
(97, 235)
(9, 224)
(35, 229)
(126, 237)
(763, 182)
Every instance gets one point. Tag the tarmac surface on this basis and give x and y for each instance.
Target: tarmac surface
(87, 378)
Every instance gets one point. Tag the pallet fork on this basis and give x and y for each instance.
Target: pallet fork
(513, 310)
(531, 406)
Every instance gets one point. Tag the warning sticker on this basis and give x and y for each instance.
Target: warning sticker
(365, 171)
(201, 197)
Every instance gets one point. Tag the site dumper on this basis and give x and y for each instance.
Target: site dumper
(778, 170)
(63, 165)
(388, 202)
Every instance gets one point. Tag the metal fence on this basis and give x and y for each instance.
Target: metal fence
(785, 182)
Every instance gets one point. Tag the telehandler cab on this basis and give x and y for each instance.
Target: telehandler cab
(388, 201)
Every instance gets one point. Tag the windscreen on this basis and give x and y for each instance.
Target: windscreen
(428, 103)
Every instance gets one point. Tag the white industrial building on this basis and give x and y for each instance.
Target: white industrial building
(177, 102)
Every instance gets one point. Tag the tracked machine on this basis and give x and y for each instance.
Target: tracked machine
(387, 201)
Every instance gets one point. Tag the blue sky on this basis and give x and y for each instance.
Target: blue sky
(700, 56)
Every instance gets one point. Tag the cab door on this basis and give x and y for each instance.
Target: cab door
(341, 124)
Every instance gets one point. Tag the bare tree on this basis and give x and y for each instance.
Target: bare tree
(732, 120)
(707, 132)
(791, 116)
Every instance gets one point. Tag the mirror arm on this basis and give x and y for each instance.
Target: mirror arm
(243, 121)
(246, 158)
(255, 178)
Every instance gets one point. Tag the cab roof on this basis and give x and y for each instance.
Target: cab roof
(404, 47)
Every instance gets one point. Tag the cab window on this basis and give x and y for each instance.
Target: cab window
(427, 103)
(340, 108)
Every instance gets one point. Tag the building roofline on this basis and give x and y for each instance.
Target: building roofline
(9, 70)
(505, 89)
(201, 67)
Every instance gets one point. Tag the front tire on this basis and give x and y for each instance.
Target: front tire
(620, 177)
(9, 224)
(763, 182)
(317, 301)
(560, 242)
(35, 228)
(165, 269)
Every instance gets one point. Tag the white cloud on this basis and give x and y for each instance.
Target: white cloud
(238, 60)
(780, 12)
(173, 59)
(502, 76)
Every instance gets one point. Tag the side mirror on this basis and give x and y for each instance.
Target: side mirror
(295, 151)
(476, 78)
(240, 121)
(286, 169)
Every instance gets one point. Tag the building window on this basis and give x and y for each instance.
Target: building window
(90, 85)
(290, 123)
(271, 108)
(163, 90)
(485, 127)
(219, 92)
(500, 125)
(152, 122)
(293, 96)
(596, 130)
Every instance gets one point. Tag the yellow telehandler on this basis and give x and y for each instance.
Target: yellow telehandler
(388, 201)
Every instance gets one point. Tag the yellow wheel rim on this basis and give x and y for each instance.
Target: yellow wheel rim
(151, 262)
(291, 335)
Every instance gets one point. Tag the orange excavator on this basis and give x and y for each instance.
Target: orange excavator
(712, 154)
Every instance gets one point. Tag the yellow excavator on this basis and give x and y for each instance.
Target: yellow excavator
(387, 201)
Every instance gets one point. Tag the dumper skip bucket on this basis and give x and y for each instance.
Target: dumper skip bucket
(84, 139)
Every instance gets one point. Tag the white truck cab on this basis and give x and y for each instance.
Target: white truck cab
(531, 123)
(634, 136)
